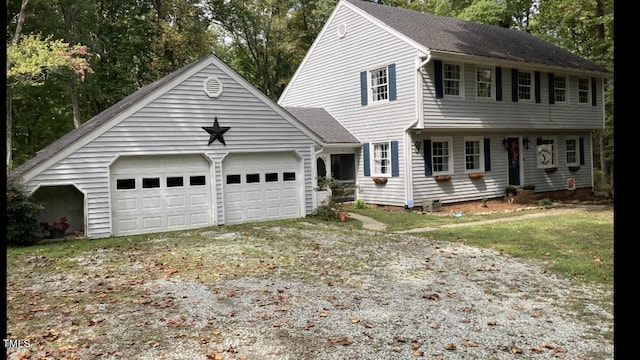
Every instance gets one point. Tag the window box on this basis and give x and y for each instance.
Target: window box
(442, 178)
(550, 170)
(574, 168)
(380, 180)
(476, 175)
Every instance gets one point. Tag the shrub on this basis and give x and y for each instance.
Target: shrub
(22, 211)
(360, 204)
(545, 202)
(529, 186)
(511, 189)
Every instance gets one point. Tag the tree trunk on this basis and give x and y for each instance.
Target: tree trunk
(14, 41)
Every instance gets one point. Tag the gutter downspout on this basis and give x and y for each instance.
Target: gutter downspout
(419, 122)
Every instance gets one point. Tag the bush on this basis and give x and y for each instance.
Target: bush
(360, 204)
(22, 211)
(529, 186)
(511, 189)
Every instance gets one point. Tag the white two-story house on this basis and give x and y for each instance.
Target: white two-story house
(446, 109)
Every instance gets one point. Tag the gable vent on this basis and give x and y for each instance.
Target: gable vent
(213, 87)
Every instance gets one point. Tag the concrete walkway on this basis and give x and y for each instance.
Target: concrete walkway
(372, 224)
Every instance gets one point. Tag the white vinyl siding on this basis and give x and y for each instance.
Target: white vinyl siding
(454, 113)
(324, 75)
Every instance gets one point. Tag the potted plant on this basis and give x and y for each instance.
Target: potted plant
(511, 190)
(57, 229)
(529, 186)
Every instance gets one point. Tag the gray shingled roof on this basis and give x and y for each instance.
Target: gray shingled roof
(98, 120)
(440, 33)
(323, 124)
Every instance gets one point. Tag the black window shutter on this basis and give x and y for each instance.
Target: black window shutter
(487, 154)
(593, 91)
(365, 159)
(363, 88)
(426, 147)
(437, 65)
(581, 150)
(538, 141)
(552, 98)
(514, 85)
(395, 163)
(392, 82)
(498, 84)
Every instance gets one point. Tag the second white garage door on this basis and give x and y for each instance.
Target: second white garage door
(261, 186)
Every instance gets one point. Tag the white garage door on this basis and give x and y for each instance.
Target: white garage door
(160, 193)
(264, 186)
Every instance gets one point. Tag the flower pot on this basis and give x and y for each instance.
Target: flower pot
(56, 234)
(551, 170)
(344, 217)
(474, 176)
(442, 178)
(380, 180)
(574, 168)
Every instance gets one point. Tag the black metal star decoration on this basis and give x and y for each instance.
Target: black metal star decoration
(216, 132)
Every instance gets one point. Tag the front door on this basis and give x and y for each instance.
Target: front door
(513, 158)
(343, 169)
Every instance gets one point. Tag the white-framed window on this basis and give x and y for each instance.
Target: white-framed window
(379, 84)
(583, 91)
(381, 159)
(484, 82)
(474, 154)
(441, 156)
(560, 89)
(547, 153)
(525, 85)
(572, 144)
(452, 79)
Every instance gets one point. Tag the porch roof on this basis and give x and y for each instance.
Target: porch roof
(324, 125)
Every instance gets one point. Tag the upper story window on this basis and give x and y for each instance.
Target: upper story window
(484, 82)
(452, 79)
(583, 91)
(381, 159)
(573, 153)
(524, 85)
(379, 84)
(547, 154)
(441, 156)
(473, 154)
(560, 89)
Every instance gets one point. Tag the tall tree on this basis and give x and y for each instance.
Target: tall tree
(30, 59)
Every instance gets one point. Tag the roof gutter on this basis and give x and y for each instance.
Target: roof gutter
(417, 122)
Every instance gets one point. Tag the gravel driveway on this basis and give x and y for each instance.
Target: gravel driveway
(336, 294)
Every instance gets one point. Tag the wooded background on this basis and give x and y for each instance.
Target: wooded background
(69, 60)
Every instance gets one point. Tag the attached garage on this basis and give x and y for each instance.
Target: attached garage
(160, 193)
(262, 186)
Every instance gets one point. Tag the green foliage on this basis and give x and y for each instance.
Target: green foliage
(360, 204)
(21, 220)
(529, 186)
(511, 189)
(328, 210)
(545, 202)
